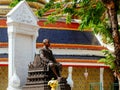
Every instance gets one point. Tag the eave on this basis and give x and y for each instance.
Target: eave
(41, 23)
(69, 63)
(68, 46)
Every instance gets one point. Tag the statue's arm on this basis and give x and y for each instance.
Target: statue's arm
(53, 57)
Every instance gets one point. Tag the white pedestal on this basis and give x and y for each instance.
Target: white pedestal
(22, 34)
(69, 79)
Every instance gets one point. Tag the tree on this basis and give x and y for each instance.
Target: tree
(92, 14)
(98, 15)
(112, 8)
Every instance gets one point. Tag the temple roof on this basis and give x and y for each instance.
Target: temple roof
(5, 8)
(70, 46)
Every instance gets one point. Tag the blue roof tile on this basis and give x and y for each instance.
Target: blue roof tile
(90, 57)
(4, 55)
(60, 36)
(68, 36)
(3, 35)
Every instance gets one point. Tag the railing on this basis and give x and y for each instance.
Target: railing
(96, 86)
(114, 86)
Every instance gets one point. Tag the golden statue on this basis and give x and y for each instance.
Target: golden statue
(53, 84)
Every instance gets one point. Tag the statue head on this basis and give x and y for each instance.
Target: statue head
(46, 42)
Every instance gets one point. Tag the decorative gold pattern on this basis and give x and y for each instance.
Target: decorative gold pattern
(108, 79)
(80, 83)
(4, 11)
(3, 77)
(5, 2)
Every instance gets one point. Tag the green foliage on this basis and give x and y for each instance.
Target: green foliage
(68, 19)
(103, 29)
(15, 2)
(49, 5)
(90, 13)
(109, 59)
(57, 5)
(68, 10)
(51, 19)
(40, 13)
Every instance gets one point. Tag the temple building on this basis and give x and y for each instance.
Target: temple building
(78, 51)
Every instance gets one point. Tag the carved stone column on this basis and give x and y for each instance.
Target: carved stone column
(69, 79)
(101, 77)
(22, 34)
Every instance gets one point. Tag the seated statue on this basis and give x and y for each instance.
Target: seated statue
(47, 56)
(44, 68)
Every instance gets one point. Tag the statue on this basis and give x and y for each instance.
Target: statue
(47, 56)
(43, 69)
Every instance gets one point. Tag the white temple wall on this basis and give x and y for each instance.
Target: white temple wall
(23, 56)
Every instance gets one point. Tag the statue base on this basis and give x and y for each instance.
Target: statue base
(36, 87)
(44, 86)
(39, 75)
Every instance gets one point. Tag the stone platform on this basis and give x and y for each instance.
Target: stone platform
(38, 76)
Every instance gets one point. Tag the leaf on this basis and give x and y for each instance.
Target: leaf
(68, 19)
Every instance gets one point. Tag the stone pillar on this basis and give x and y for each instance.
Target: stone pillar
(22, 34)
(69, 79)
(102, 78)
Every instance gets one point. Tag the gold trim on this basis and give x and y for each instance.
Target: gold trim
(35, 5)
(4, 11)
(78, 60)
(5, 2)
(74, 46)
(4, 59)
